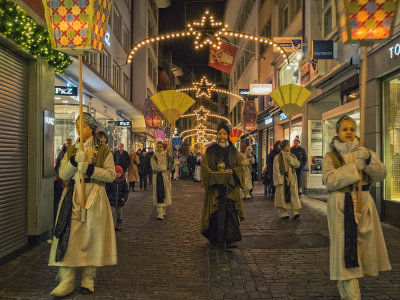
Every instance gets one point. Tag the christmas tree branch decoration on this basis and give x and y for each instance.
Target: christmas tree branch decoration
(32, 37)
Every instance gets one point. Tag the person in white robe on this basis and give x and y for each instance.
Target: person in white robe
(84, 237)
(248, 160)
(176, 166)
(162, 165)
(285, 181)
(357, 245)
(197, 169)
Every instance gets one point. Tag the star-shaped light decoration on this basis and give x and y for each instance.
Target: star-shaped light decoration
(207, 31)
(203, 87)
(201, 113)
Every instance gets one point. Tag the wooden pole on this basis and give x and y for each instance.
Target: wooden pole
(83, 196)
(362, 119)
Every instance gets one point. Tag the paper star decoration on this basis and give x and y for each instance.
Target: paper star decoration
(207, 31)
(201, 114)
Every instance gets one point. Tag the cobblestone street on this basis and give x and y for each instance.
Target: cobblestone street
(171, 260)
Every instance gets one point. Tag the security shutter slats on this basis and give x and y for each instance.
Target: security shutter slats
(13, 152)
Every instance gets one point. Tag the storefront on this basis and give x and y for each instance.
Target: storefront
(265, 140)
(282, 127)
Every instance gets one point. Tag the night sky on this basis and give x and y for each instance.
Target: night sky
(172, 19)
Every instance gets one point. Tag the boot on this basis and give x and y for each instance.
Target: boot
(160, 213)
(119, 225)
(67, 282)
(87, 282)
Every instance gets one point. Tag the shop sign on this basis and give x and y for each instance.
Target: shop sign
(323, 49)
(107, 39)
(282, 116)
(124, 123)
(260, 89)
(268, 120)
(315, 148)
(289, 44)
(65, 91)
(394, 51)
(245, 93)
(48, 144)
(308, 71)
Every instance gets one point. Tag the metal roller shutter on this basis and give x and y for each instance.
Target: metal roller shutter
(13, 152)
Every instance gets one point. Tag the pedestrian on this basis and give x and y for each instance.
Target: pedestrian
(222, 211)
(247, 160)
(144, 169)
(254, 171)
(270, 169)
(117, 192)
(133, 173)
(121, 158)
(176, 167)
(84, 237)
(357, 245)
(67, 143)
(191, 164)
(197, 169)
(285, 180)
(103, 137)
(150, 153)
(161, 164)
(301, 156)
(182, 163)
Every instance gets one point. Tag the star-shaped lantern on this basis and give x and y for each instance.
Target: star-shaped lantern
(201, 113)
(207, 31)
(203, 87)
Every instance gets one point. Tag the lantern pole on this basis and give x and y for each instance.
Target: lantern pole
(83, 196)
(362, 117)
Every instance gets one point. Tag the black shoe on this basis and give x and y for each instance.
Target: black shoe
(85, 291)
(296, 216)
(231, 246)
(285, 218)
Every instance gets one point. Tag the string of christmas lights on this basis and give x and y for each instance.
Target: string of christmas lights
(212, 31)
(202, 114)
(32, 37)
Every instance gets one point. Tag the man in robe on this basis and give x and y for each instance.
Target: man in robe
(222, 209)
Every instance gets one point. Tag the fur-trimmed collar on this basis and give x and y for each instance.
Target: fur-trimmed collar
(344, 148)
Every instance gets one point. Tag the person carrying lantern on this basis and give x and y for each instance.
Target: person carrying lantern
(357, 245)
(222, 175)
(84, 238)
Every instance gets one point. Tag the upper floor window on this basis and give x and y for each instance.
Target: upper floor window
(265, 32)
(125, 40)
(328, 17)
(105, 65)
(116, 75)
(117, 24)
(126, 86)
(285, 18)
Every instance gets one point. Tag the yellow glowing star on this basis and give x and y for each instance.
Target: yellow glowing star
(207, 31)
(201, 114)
(203, 88)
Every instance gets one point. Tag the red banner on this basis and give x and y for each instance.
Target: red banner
(249, 115)
(222, 59)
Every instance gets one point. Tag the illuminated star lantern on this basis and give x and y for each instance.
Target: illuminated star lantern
(207, 31)
(201, 113)
(203, 88)
(367, 20)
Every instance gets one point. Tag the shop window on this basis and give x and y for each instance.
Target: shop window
(391, 131)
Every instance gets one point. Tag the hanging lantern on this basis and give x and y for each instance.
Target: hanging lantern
(152, 115)
(77, 25)
(365, 21)
(249, 115)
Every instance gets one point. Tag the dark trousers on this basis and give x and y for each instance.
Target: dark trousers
(132, 186)
(150, 178)
(298, 173)
(143, 181)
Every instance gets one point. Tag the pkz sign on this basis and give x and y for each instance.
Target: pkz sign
(65, 91)
(394, 51)
(121, 123)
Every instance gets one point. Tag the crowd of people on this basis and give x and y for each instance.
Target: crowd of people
(84, 233)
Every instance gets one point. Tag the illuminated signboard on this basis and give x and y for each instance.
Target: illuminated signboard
(245, 93)
(124, 123)
(260, 89)
(107, 39)
(282, 116)
(65, 91)
(268, 120)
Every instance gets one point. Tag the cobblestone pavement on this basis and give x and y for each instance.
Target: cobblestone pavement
(170, 259)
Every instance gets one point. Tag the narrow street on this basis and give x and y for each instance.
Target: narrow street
(170, 259)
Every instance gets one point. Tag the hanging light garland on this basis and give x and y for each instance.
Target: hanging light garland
(206, 32)
(202, 114)
(204, 88)
(32, 37)
(200, 132)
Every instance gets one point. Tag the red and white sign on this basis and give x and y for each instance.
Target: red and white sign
(222, 59)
